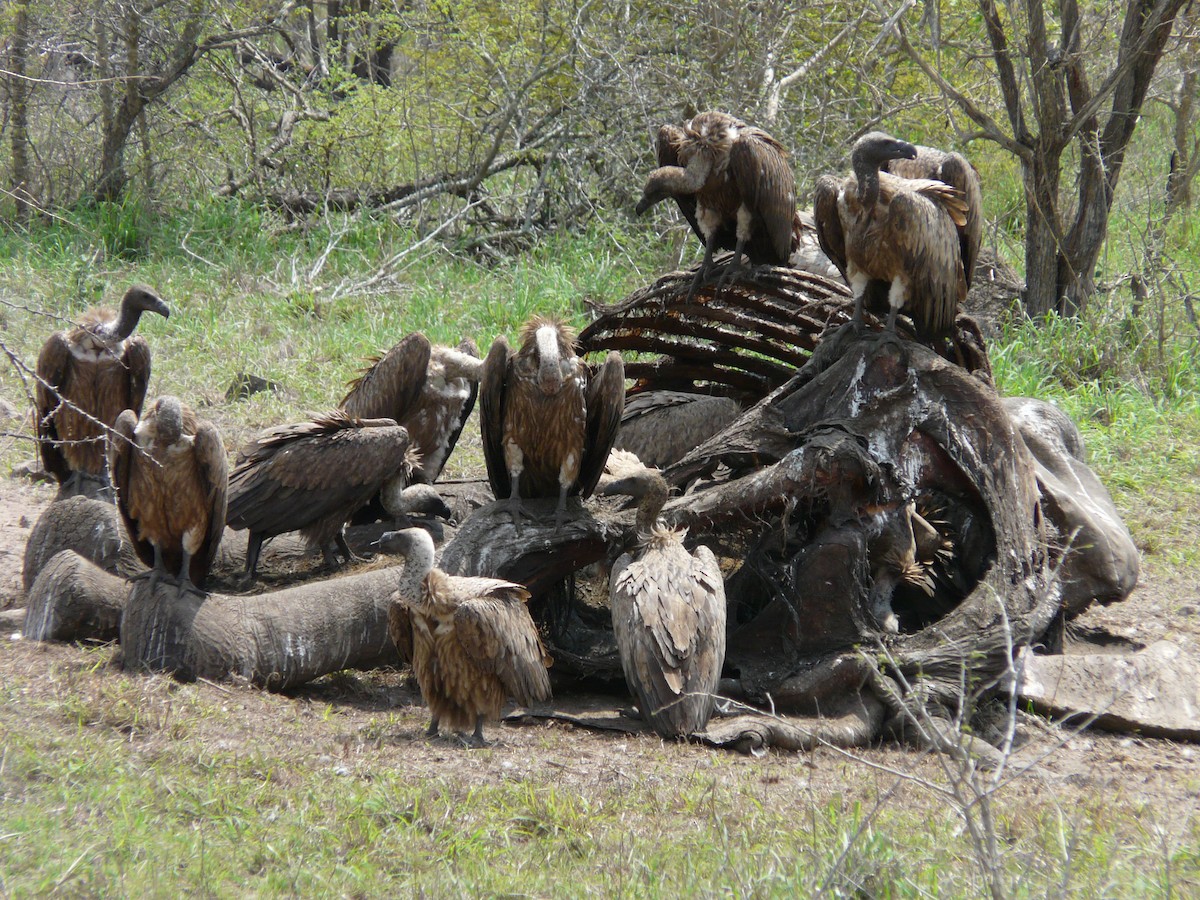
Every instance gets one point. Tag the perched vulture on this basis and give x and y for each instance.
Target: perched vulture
(661, 427)
(734, 185)
(428, 389)
(86, 377)
(471, 641)
(170, 475)
(668, 612)
(547, 421)
(311, 477)
(897, 235)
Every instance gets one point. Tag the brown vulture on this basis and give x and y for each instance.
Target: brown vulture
(429, 389)
(895, 236)
(548, 422)
(471, 640)
(668, 613)
(171, 475)
(311, 477)
(86, 377)
(734, 185)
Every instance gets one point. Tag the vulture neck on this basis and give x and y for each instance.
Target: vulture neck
(418, 563)
(676, 180)
(652, 502)
(867, 175)
(126, 322)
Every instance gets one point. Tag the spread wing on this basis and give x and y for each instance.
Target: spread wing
(605, 403)
(299, 474)
(136, 360)
(123, 456)
(391, 386)
(759, 166)
(922, 226)
(495, 629)
(828, 220)
(53, 374)
(213, 467)
(492, 386)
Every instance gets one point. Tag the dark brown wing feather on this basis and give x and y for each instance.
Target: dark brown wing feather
(605, 403)
(296, 475)
(213, 467)
(759, 167)
(828, 219)
(400, 628)
(921, 226)
(491, 415)
(122, 451)
(496, 631)
(53, 372)
(469, 347)
(137, 364)
(391, 386)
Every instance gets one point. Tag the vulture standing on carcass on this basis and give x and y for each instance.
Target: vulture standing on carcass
(429, 389)
(311, 477)
(171, 476)
(900, 235)
(734, 185)
(668, 613)
(86, 377)
(547, 421)
(471, 640)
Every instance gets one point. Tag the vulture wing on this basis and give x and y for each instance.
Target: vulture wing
(469, 347)
(759, 167)
(828, 220)
(400, 628)
(605, 403)
(213, 468)
(300, 474)
(136, 360)
(53, 374)
(954, 170)
(492, 386)
(393, 383)
(495, 629)
(922, 224)
(123, 455)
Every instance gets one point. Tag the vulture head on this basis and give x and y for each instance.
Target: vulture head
(546, 353)
(871, 151)
(631, 478)
(165, 420)
(138, 299)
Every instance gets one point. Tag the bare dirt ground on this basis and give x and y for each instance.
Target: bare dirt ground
(357, 722)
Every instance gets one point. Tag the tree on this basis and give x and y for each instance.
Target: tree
(1069, 78)
(18, 92)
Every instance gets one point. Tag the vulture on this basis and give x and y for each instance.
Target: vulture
(902, 236)
(734, 185)
(471, 640)
(548, 422)
(312, 476)
(171, 476)
(668, 613)
(86, 377)
(661, 427)
(429, 389)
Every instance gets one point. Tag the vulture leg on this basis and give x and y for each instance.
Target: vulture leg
(253, 548)
(514, 503)
(185, 579)
(347, 554)
(560, 511)
(477, 738)
(705, 267)
(155, 572)
(432, 730)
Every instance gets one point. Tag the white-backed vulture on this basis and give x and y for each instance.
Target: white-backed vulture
(734, 185)
(429, 389)
(668, 612)
(171, 476)
(311, 477)
(894, 234)
(661, 427)
(415, 505)
(548, 422)
(471, 640)
(86, 377)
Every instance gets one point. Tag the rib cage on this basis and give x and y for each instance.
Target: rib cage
(740, 340)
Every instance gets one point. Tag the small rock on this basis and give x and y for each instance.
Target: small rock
(247, 384)
(30, 470)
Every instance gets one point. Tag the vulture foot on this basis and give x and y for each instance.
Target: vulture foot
(432, 730)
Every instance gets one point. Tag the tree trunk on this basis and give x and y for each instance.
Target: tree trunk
(19, 93)
(1041, 234)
